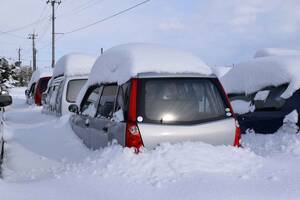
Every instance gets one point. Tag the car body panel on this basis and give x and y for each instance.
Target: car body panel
(221, 132)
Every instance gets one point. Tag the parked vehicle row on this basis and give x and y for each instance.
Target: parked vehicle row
(144, 95)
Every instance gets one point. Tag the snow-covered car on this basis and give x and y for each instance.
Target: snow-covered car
(5, 100)
(264, 90)
(69, 75)
(37, 85)
(144, 95)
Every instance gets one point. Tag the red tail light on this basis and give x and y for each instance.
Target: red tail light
(37, 95)
(133, 136)
(237, 137)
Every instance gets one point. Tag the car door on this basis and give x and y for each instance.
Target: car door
(81, 122)
(117, 127)
(98, 126)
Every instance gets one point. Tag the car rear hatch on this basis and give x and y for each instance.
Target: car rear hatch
(184, 109)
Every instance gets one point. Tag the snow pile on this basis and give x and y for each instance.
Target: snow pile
(248, 77)
(262, 95)
(74, 65)
(241, 107)
(285, 140)
(171, 162)
(39, 73)
(290, 122)
(270, 144)
(167, 163)
(275, 52)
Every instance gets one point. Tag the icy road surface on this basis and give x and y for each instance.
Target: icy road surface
(45, 160)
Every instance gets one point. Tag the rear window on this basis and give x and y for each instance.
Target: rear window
(180, 101)
(74, 86)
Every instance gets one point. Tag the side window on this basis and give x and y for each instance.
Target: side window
(53, 97)
(120, 100)
(107, 100)
(59, 97)
(31, 91)
(89, 106)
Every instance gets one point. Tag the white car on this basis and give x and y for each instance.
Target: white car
(69, 75)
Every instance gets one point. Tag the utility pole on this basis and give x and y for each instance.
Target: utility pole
(19, 54)
(33, 36)
(52, 3)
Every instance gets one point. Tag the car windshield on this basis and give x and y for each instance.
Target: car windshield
(180, 101)
(273, 101)
(74, 86)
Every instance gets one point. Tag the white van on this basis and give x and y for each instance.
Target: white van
(69, 75)
(144, 94)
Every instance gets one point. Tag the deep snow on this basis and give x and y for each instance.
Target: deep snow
(45, 160)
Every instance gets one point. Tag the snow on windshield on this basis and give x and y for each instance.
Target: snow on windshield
(261, 95)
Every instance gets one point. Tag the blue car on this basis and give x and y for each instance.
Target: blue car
(263, 91)
(267, 115)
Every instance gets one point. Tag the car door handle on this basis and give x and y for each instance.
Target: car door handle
(105, 129)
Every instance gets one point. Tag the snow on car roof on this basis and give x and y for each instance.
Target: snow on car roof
(74, 65)
(221, 70)
(120, 63)
(275, 52)
(39, 73)
(251, 76)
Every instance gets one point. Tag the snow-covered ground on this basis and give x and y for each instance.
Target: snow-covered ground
(45, 160)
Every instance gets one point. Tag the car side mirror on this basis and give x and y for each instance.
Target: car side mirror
(118, 116)
(5, 100)
(73, 108)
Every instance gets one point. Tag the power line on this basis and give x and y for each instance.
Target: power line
(12, 35)
(107, 18)
(81, 8)
(40, 19)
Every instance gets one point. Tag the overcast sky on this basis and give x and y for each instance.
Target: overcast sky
(221, 32)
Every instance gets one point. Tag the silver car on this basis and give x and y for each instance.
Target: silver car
(153, 108)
